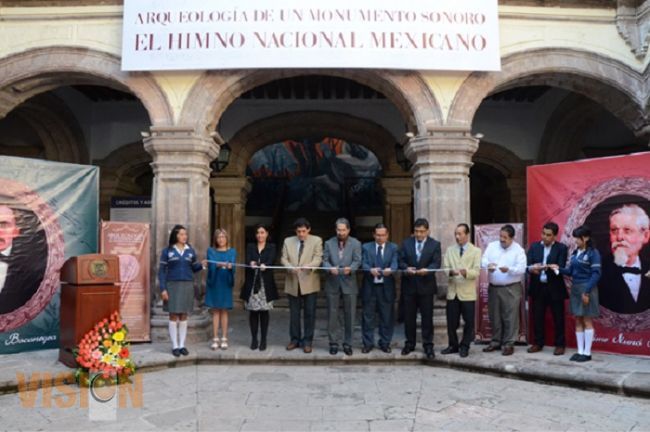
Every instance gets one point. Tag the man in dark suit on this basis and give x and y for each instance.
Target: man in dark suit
(625, 284)
(546, 288)
(21, 265)
(342, 258)
(378, 292)
(418, 256)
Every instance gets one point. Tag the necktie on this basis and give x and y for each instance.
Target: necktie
(4, 258)
(300, 250)
(341, 249)
(632, 270)
(379, 259)
(462, 250)
(418, 250)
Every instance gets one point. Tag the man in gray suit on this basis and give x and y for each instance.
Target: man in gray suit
(342, 256)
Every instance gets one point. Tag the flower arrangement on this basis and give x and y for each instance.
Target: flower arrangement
(104, 352)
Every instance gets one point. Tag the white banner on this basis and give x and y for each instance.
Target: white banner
(381, 34)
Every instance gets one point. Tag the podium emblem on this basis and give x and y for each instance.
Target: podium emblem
(99, 268)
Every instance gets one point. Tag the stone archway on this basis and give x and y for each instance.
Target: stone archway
(562, 139)
(31, 72)
(513, 170)
(232, 187)
(119, 171)
(57, 129)
(215, 91)
(28, 73)
(610, 83)
(305, 123)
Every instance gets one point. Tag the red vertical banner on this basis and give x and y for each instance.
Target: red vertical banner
(130, 242)
(592, 192)
(484, 235)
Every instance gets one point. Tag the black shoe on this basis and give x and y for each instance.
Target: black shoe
(583, 358)
(366, 349)
(449, 350)
(386, 349)
(464, 352)
(407, 350)
(254, 344)
(263, 345)
(347, 349)
(334, 349)
(183, 351)
(176, 352)
(575, 357)
(429, 353)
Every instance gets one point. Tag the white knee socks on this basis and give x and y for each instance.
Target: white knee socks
(182, 333)
(589, 338)
(580, 341)
(173, 334)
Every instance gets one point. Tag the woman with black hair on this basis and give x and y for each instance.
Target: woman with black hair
(585, 270)
(178, 263)
(259, 289)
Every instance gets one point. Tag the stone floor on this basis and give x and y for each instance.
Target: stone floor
(344, 397)
(607, 372)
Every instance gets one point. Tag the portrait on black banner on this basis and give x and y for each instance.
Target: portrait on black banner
(23, 255)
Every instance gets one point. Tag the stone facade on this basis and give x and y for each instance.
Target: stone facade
(438, 108)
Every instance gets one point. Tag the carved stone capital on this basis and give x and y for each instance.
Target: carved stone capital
(398, 190)
(633, 24)
(445, 152)
(179, 150)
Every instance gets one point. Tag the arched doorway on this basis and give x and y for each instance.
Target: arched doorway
(317, 123)
(320, 178)
(84, 124)
(76, 105)
(546, 106)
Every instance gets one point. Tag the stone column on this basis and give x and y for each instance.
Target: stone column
(230, 196)
(181, 189)
(181, 195)
(398, 210)
(441, 162)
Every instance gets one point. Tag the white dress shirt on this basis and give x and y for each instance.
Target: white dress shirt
(4, 267)
(419, 245)
(633, 281)
(514, 257)
(379, 279)
(547, 251)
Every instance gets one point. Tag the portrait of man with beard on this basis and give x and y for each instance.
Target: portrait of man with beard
(23, 257)
(625, 284)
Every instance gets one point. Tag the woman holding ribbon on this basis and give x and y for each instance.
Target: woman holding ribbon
(221, 276)
(259, 289)
(178, 262)
(585, 270)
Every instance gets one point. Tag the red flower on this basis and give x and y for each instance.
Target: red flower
(124, 353)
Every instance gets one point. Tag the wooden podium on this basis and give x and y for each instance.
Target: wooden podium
(89, 293)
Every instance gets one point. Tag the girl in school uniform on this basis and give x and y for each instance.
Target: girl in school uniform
(585, 270)
(259, 290)
(219, 284)
(178, 263)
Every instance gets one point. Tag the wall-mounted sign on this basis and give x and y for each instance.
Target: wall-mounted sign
(378, 34)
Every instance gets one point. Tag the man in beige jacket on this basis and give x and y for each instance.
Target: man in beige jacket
(464, 263)
(302, 284)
